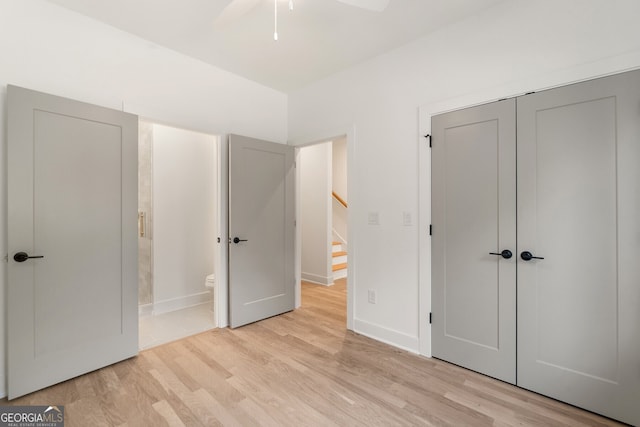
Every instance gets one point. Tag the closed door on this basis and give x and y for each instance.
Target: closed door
(578, 240)
(261, 229)
(579, 209)
(72, 195)
(474, 239)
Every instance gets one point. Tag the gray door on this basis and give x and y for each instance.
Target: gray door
(473, 215)
(579, 209)
(72, 196)
(261, 229)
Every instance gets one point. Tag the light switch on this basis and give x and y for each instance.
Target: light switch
(406, 219)
(374, 218)
(372, 297)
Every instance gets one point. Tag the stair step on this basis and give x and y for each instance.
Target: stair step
(339, 266)
(339, 260)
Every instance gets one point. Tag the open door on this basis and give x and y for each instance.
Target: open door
(73, 252)
(261, 229)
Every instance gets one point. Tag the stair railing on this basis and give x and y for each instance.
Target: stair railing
(339, 199)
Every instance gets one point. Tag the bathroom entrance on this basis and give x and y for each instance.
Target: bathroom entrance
(177, 232)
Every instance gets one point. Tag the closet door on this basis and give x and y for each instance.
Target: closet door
(579, 209)
(473, 215)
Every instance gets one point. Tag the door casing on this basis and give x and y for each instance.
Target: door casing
(348, 132)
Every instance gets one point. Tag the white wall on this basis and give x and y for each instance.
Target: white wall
(514, 47)
(314, 162)
(47, 48)
(339, 185)
(184, 212)
(339, 167)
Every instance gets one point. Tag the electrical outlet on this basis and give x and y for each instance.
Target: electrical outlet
(372, 296)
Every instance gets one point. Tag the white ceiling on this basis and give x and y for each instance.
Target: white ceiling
(316, 39)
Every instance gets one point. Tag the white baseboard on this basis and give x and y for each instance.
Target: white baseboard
(387, 336)
(181, 302)
(145, 309)
(317, 279)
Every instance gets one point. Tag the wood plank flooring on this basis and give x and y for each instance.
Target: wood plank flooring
(298, 369)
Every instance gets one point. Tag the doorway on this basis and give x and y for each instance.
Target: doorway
(203, 188)
(177, 232)
(323, 213)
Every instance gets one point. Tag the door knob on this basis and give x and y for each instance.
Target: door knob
(23, 256)
(506, 254)
(528, 256)
(237, 240)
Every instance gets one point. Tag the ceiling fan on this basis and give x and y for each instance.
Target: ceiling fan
(238, 8)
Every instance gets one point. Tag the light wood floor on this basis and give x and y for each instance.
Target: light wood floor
(298, 369)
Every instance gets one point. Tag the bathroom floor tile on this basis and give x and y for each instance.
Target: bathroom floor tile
(163, 328)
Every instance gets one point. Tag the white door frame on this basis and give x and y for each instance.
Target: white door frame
(350, 133)
(221, 262)
(220, 209)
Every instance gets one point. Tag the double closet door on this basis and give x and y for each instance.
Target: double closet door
(536, 242)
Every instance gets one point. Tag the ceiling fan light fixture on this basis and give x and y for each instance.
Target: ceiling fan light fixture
(238, 8)
(275, 20)
(275, 17)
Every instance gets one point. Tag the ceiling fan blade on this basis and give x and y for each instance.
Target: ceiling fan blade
(236, 9)
(373, 5)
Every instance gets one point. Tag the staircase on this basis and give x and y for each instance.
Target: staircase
(339, 261)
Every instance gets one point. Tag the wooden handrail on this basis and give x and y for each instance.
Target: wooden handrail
(339, 199)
